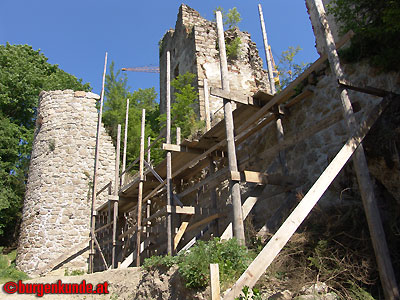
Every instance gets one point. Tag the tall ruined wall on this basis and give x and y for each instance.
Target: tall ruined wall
(193, 48)
(57, 206)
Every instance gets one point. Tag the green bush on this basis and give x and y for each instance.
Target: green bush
(194, 265)
(232, 258)
(377, 27)
(233, 48)
(8, 272)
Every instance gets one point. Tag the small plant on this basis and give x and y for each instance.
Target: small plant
(231, 18)
(233, 48)
(166, 261)
(249, 294)
(8, 271)
(67, 272)
(52, 145)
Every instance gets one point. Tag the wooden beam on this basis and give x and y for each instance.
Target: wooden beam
(96, 162)
(367, 90)
(263, 178)
(207, 105)
(303, 95)
(115, 196)
(238, 227)
(186, 210)
(140, 192)
(125, 142)
(231, 95)
(204, 221)
(133, 256)
(386, 272)
(180, 234)
(169, 158)
(214, 282)
(281, 237)
(267, 53)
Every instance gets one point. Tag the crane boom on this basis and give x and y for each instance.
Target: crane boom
(146, 69)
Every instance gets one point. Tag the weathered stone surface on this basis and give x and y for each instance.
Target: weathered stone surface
(63, 152)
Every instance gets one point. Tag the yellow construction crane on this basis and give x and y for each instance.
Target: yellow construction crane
(147, 69)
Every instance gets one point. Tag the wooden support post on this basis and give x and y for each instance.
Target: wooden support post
(96, 162)
(238, 227)
(214, 282)
(149, 150)
(267, 53)
(213, 196)
(115, 202)
(377, 233)
(140, 192)
(288, 228)
(169, 157)
(125, 143)
(178, 135)
(207, 105)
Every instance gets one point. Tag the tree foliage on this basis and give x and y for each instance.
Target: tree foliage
(24, 73)
(116, 93)
(377, 27)
(287, 67)
(231, 18)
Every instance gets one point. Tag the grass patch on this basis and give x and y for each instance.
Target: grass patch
(194, 265)
(8, 271)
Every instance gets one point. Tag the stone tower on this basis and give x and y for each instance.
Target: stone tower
(57, 206)
(193, 48)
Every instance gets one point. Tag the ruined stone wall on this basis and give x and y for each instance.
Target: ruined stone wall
(57, 206)
(193, 48)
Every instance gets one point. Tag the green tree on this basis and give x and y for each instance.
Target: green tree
(287, 67)
(231, 18)
(377, 27)
(116, 93)
(24, 73)
(183, 112)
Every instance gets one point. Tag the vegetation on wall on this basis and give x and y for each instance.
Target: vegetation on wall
(24, 72)
(377, 27)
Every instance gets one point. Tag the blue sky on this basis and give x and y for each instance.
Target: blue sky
(76, 34)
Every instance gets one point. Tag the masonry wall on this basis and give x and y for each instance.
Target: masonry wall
(57, 206)
(193, 48)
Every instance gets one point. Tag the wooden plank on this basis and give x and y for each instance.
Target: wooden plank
(303, 95)
(230, 95)
(263, 178)
(386, 272)
(207, 105)
(140, 193)
(214, 282)
(96, 162)
(213, 195)
(206, 180)
(238, 227)
(125, 142)
(132, 256)
(267, 54)
(180, 234)
(204, 221)
(367, 89)
(104, 188)
(103, 227)
(246, 208)
(281, 237)
(169, 159)
(187, 210)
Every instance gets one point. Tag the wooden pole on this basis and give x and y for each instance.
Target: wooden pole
(377, 233)
(125, 142)
(207, 105)
(288, 228)
(148, 208)
(140, 192)
(213, 196)
(96, 162)
(238, 227)
(178, 135)
(267, 54)
(169, 157)
(115, 202)
(214, 282)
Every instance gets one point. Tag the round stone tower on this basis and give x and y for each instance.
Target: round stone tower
(57, 206)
